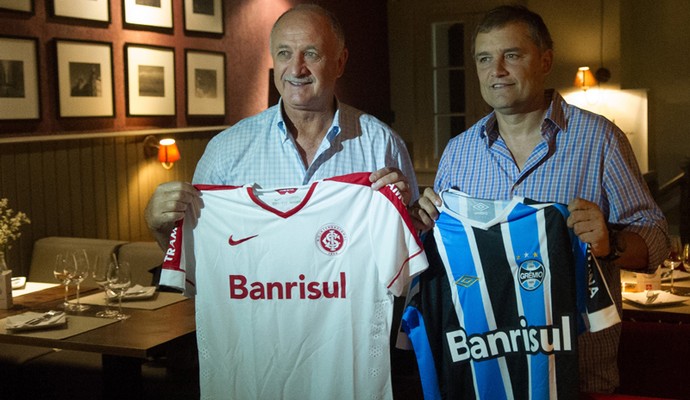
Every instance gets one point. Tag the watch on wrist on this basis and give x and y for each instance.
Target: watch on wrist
(616, 247)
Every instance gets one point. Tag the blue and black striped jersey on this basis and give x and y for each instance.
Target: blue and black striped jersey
(496, 315)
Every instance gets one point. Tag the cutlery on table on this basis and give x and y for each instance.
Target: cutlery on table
(651, 297)
(45, 317)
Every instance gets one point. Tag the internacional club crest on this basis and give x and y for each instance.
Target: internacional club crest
(331, 239)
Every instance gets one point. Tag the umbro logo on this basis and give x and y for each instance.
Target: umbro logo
(466, 281)
(233, 242)
(480, 207)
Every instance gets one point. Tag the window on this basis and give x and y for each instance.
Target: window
(450, 108)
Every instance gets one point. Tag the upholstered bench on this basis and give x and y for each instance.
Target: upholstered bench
(46, 250)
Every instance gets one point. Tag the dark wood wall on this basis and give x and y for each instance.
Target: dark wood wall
(95, 187)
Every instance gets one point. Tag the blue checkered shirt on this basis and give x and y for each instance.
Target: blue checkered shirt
(260, 150)
(581, 154)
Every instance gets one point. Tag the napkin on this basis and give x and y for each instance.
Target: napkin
(136, 292)
(18, 282)
(33, 320)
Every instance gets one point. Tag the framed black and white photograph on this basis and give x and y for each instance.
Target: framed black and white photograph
(17, 5)
(150, 74)
(151, 13)
(205, 83)
(18, 78)
(97, 10)
(85, 78)
(203, 16)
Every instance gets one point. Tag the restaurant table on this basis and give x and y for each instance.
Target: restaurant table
(655, 346)
(123, 345)
(674, 313)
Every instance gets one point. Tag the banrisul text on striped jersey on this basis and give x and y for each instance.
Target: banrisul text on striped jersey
(498, 343)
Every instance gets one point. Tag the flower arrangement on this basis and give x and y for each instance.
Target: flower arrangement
(10, 222)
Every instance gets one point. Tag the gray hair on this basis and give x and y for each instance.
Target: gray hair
(336, 27)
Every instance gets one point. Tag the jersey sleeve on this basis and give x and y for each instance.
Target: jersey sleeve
(397, 249)
(178, 269)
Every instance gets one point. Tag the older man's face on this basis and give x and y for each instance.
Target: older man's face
(307, 61)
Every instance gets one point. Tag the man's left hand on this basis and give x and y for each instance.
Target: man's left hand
(389, 175)
(589, 224)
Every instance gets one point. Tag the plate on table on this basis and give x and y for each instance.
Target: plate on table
(662, 298)
(30, 321)
(18, 282)
(677, 274)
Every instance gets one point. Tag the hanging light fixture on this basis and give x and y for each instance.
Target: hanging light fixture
(602, 74)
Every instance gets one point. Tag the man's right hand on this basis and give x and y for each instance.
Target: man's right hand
(423, 212)
(168, 205)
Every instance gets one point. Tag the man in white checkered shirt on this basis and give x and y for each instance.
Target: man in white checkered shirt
(309, 135)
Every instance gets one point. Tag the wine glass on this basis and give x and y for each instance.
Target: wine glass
(674, 258)
(686, 257)
(119, 280)
(79, 273)
(62, 273)
(99, 273)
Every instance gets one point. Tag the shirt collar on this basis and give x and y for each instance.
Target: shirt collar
(332, 132)
(554, 119)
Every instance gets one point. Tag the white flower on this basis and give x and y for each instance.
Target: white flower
(10, 222)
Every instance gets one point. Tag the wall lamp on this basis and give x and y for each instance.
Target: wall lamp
(166, 150)
(584, 79)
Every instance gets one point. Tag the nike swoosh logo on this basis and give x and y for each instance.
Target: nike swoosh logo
(233, 242)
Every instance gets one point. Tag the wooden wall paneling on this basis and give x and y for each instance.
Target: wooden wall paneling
(76, 189)
(62, 192)
(8, 182)
(23, 203)
(110, 189)
(95, 187)
(50, 192)
(38, 193)
(86, 154)
(121, 197)
(134, 202)
(99, 194)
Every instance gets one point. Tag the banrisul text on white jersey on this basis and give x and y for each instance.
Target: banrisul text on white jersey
(527, 339)
(301, 289)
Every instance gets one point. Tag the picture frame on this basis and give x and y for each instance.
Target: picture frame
(85, 78)
(17, 5)
(96, 10)
(205, 73)
(19, 91)
(203, 16)
(150, 77)
(148, 13)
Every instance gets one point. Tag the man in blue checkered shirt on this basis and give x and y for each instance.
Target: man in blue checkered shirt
(535, 145)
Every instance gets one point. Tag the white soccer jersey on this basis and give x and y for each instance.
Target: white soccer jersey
(294, 287)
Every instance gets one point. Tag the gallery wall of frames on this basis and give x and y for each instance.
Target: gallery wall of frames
(121, 65)
(104, 65)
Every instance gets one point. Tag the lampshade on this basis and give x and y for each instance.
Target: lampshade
(168, 152)
(584, 79)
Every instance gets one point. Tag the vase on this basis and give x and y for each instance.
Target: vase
(3, 263)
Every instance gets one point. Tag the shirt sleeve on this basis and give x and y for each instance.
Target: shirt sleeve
(631, 206)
